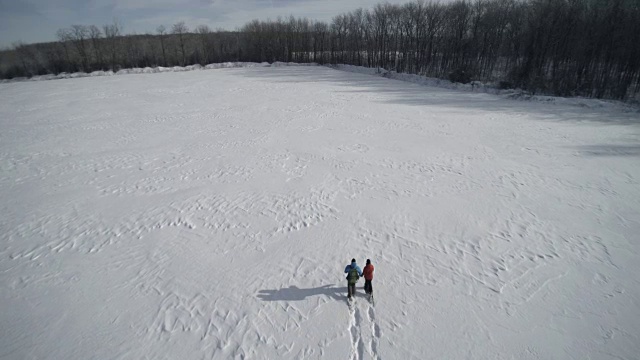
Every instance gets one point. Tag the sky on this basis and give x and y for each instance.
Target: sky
(32, 21)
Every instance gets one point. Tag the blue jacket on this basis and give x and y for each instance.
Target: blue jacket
(353, 265)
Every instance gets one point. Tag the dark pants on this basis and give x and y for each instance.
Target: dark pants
(368, 288)
(351, 289)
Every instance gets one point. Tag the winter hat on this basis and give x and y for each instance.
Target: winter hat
(353, 260)
(368, 261)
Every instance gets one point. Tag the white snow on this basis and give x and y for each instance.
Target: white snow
(158, 69)
(210, 214)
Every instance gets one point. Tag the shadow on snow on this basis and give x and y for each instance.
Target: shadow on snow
(294, 293)
(407, 93)
(609, 150)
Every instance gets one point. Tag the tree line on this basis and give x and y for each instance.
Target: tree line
(563, 47)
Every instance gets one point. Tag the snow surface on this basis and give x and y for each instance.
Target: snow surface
(158, 69)
(210, 214)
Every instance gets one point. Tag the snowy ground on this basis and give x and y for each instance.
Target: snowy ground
(210, 214)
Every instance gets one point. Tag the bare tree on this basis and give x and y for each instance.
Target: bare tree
(112, 36)
(180, 29)
(162, 33)
(320, 30)
(95, 35)
(26, 57)
(79, 35)
(64, 38)
(204, 33)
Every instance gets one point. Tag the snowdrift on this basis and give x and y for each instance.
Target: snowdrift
(153, 70)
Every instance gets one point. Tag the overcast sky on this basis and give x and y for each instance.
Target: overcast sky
(38, 20)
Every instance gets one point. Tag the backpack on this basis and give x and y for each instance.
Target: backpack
(352, 276)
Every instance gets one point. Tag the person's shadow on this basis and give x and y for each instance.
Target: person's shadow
(294, 293)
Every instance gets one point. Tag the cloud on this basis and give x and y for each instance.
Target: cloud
(18, 21)
(38, 20)
(17, 8)
(156, 4)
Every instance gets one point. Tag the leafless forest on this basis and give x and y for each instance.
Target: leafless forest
(562, 47)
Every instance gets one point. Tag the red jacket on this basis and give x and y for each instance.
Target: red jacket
(368, 272)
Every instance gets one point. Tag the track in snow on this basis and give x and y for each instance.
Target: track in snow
(365, 334)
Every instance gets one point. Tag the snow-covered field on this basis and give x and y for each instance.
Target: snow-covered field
(210, 214)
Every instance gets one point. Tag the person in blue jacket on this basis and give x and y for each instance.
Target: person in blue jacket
(353, 274)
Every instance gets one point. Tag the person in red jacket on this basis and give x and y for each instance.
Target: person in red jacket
(368, 277)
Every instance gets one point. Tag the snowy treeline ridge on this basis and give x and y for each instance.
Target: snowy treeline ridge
(475, 86)
(490, 88)
(151, 70)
